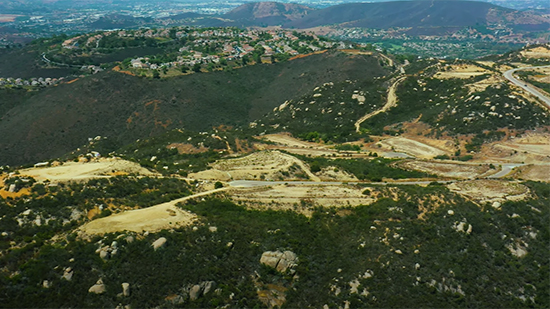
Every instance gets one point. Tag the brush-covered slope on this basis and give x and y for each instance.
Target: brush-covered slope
(125, 108)
(268, 13)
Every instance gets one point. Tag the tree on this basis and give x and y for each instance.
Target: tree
(156, 74)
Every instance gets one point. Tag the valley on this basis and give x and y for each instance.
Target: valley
(341, 176)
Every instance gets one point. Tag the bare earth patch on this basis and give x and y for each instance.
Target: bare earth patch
(152, 219)
(81, 171)
(301, 198)
(533, 172)
(268, 165)
(412, 147)
(490, 190)
(450, 170)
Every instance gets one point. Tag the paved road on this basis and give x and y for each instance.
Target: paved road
(506, 169)
(527, 87)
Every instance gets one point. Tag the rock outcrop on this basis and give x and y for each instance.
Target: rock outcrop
(281, 261)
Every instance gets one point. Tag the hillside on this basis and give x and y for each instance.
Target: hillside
(59, 119)
(418, 14)
(267, 13)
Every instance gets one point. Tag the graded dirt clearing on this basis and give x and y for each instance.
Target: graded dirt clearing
(287, 140)
(268, 165)
(448, 170)
(533, 172)
(461, 71)
(490, 190)
(301, 198)
(411, 147)
(152, 219)
(530, 148)
(81, 171)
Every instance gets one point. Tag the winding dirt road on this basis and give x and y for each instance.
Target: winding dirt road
(391, 102)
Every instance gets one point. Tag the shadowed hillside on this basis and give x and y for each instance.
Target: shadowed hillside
(125, 108)
(268, 13)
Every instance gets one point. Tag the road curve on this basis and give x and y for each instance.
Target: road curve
(527, 87)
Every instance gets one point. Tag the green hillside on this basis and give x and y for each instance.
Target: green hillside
(124, 108)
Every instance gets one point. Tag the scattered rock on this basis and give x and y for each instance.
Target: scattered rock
(129, 239)
(98, 288)
(417, 266)
(416, 251)
(159, 243)
(496, 205)
(450, 212)
(126, 289)
(230, 244)
(213, 229)
(398, 251)
(104, 254)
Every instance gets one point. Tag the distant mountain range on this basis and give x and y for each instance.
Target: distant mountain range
(384, 15)
(423, 17)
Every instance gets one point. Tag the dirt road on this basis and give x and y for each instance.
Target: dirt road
(392, 100)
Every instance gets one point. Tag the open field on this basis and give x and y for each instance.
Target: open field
(490, 190)
(81, 171)
(8, 18)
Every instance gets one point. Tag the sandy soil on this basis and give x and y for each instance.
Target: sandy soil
(447, 169)
(411, 147)
(533, 172)
(490, 190)
(81, 171)
(151, 219)
(264, 164)
(301, 198)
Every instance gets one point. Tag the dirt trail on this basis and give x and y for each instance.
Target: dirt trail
(151, 219)
(392, 100)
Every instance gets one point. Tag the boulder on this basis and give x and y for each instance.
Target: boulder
(126, 289)
(195, 292)
(68, 274)
(281, 261)
(46, 284)
(208, 286)
(159, 243)
(98, 288)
